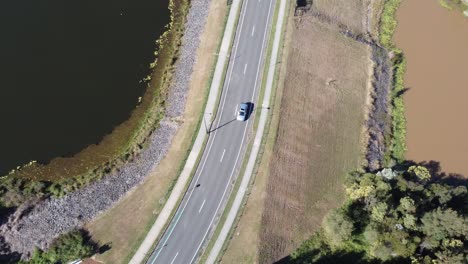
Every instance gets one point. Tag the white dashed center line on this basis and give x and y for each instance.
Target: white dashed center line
(222, 156)
(253, 30)
(245, 68)
(201, 207)
(174, 258)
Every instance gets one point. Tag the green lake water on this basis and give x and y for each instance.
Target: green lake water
(70, 72)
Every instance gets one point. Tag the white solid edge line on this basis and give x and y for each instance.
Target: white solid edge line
(178, 190)
(211, 143)
(255, 149)
(243, 137)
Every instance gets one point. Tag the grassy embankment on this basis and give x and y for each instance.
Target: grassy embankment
(396, 151)
(124, 143)
(454, 4)
(322, 112)
(149, 198)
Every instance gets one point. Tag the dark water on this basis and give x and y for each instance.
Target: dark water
(70, 72)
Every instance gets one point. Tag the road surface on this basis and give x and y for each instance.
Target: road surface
(225, 149)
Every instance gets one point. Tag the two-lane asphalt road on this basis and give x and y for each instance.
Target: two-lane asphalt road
(225, 149)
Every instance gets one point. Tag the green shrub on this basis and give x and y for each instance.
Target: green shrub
(397, 144)
(388, 22)
(398, 147)
(72, 246)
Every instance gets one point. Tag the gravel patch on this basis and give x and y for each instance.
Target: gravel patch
(180, 83)
(39, 224)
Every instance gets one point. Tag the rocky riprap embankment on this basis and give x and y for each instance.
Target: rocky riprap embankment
(39, 224)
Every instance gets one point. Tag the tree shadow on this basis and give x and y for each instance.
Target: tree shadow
(5, 213)
(403, 91)
(6, 256)
(452, 179)
(104, 248)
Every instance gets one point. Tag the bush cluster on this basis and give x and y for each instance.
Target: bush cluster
(394, 217)
(388, 22)
(398, 147)
(69, 247)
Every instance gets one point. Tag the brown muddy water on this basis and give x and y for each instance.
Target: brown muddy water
(435, 43)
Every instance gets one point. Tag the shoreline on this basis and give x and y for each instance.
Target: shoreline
(54, 216)
(132, 132)
(122, 145)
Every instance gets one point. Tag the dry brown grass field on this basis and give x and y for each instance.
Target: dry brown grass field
(126, 225)
(319, 136)
(346, 12)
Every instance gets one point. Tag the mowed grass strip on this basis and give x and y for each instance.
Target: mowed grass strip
(125, 226)
(319, 136)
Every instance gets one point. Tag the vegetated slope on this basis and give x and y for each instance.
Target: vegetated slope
(394, 217)
(319, 137)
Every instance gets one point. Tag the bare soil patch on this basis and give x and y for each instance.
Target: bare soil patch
(320, 132)
(125, 225)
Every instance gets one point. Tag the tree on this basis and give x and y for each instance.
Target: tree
(442, 192)
(421, 172)
(442, 224)
(379, 211)
(72, 246)
(409, 221)
(337, 227)
(407, 205)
